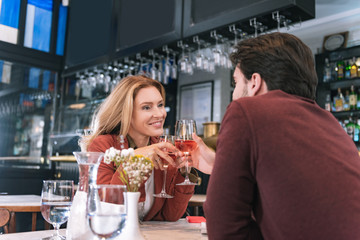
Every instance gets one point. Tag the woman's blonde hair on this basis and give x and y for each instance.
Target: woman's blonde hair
(114, 115)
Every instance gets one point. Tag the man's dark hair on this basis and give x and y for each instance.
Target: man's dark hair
(281, 59)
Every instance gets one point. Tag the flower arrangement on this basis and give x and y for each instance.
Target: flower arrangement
(134, 169)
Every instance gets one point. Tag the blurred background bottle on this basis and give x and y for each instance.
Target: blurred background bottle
(339, 101)
(340, 68)
(327, 71)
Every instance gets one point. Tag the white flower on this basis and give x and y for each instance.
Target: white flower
(124, 153)
(131, 152)
(107, 159)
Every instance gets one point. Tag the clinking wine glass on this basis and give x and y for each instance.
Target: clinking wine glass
(170, 139)
(184, 129)
(56, 199)
(107, 212)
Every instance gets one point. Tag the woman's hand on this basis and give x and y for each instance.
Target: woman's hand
(202, 158)
(157, 151)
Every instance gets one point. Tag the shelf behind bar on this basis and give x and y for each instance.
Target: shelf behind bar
(345, 83)
(346, 113)
(65, 158)
(12, 158)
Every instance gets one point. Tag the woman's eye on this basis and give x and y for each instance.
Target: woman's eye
(161, 105)
(146, 107)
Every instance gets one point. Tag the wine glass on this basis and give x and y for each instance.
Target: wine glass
(107, 211)
(170, 139)
(56, 198)
(184, 129)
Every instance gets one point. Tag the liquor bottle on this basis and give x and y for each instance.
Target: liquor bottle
(347, 69)
(327, 71)
(347, 101)
(357, 130)
(352, 98)
(358, 100)
(340, 65)
(350, 128)
(328, 103)
(354, 69)
(339, 101)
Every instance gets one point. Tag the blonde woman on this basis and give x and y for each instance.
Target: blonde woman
(136, 110)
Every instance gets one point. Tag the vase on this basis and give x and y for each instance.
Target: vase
(77, 225)
(131, 230)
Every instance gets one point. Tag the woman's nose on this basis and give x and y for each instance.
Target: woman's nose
(158, 112)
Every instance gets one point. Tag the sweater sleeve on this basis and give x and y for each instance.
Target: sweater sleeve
(174, 208)
(230, 194)
(106, 172)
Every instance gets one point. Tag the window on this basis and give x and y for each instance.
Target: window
(38, 24)
(9, 20)
(61, 30)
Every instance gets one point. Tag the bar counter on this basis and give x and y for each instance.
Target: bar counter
(151, 230)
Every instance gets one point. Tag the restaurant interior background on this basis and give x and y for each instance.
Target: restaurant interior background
(60, 59)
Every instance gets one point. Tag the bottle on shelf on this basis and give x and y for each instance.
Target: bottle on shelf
(339, 101)
(358, 100)
(340, 70)
(357, 130)
(353, 69)
(350, 127)
(347, 101)
(352, 98)
(358, 65)
(327, 71)
(348, 64)
(328, 106)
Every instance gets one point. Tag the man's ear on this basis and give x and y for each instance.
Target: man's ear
(255, 85)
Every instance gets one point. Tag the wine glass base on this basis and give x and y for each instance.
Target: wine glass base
(163, 195)
(187, 183)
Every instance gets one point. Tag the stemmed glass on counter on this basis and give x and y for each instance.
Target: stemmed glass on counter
(184, 129)
(170, 139)
(56, 199)
(107, 211)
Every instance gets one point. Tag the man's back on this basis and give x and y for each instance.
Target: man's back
(292, 163)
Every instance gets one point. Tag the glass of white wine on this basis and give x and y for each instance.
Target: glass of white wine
(56, 199)
(170, 139)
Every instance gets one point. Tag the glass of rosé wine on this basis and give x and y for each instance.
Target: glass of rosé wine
(184, 129)
(170, 139)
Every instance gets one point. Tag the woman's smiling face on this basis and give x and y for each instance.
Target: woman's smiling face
(148, 114)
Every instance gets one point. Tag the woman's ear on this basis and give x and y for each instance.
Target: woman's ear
(256, 85)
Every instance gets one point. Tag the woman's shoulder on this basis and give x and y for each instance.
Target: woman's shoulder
(103, 142)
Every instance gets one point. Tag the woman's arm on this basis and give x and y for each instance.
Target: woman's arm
(172, 209)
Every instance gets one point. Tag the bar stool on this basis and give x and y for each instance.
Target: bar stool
(196, 201)
(4, 219)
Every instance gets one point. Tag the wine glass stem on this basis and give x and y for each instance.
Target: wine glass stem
(187, 168)
(56, 228)
(164, 182)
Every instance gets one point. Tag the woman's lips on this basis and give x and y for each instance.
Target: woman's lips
(156, 124)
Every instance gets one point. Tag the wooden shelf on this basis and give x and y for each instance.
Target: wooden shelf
(65, 158)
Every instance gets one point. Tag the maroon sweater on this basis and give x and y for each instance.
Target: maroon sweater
(289, 164)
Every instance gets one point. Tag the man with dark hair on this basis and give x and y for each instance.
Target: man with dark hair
(284, 168)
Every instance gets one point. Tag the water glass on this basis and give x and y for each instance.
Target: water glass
(56, 199)
(107, 211)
